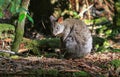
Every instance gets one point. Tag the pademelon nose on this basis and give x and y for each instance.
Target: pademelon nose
(54, 34)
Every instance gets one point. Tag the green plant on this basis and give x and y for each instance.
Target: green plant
(117, 6)
(33, 46)
(81, 74)
(53, 73)
(100, 44)
(13, 7)
(115, 63)
(36, 45)
(7, 31)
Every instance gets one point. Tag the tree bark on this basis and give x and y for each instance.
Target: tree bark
(19, 31)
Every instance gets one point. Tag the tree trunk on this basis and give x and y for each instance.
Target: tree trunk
(19, 31)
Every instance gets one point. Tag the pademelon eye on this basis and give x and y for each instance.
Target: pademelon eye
(57, 28)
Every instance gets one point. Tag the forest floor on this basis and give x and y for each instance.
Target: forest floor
(99, 64)
(95, 64)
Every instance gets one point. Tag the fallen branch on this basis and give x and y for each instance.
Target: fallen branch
(11, 52)
(8, 51)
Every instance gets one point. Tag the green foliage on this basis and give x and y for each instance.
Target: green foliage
(2, 54)
(117, 5)
(115, 63)
(108, 32)
(2, 2)
(96, 21)
(50, 42)
(37, 45)
(30, 18)
(101, 45)
(21, 17)
(102, 48)
(3, 6)
(12, 6)
(1, 14)
(115, 32)
(5, 29)
(15, 6)
(100, 41)
(103, 34)
(34, 46)
(81, 74)
(115, 50)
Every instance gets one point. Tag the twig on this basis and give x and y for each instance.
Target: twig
(82, 12)
(88, 10)
(77, 5)
(12, 52)
(8, 51)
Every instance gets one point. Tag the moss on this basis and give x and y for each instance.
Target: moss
(37, 45)
(7, 30)
(6, 27)
(34, 46)
(18, 38)
(50, 42)
(14, 57)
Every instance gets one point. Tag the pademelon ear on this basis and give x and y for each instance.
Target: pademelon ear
(60, 20)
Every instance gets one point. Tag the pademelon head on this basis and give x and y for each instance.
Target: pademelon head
(58, 29)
